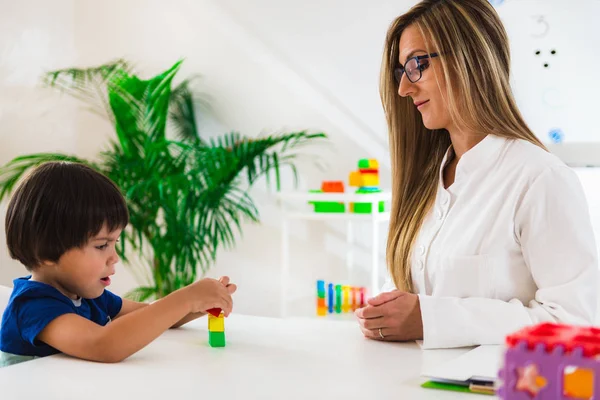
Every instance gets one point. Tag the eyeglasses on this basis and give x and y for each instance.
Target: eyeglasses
(414, 68)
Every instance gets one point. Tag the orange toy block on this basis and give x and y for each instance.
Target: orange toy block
(332, 187)
(355, 178)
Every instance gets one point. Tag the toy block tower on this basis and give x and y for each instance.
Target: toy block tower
(367, 181)
(321, 306)
(216, 328)
(551, 361)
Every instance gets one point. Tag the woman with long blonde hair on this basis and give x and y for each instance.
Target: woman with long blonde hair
(489, 231)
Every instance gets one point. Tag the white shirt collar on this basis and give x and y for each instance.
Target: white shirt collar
(482, 154)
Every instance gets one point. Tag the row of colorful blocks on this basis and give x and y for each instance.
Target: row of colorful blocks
(346, 299)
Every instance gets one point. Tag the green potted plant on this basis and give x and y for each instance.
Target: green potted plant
(186, 195)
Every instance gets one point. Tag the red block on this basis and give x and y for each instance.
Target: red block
(332, 187)
(553, 335)
(369, 171)
(215, 312)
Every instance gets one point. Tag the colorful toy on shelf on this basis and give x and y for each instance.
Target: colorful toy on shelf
(329, 206)
(216, 329)
(340, 299)
(551, 361)
(367, 181)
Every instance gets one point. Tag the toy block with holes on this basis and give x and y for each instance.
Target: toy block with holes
(367, 181)
(551, 362)
(340, 298)
(216, 329)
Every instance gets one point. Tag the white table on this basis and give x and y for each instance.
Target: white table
(265, 358)
(290, 213)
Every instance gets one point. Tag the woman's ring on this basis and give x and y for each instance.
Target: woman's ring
(381, 334)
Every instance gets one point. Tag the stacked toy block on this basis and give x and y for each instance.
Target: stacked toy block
(552, 362)
(367, 181)
(216, 328)
(321, 304)
(329, 206)
(340, 298)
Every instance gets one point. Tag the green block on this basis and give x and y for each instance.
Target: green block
(216, 339)
(365, 208)
(327, 206)
(368, 190)
(363, 163)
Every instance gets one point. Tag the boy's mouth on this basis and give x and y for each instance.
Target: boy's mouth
(106, 280)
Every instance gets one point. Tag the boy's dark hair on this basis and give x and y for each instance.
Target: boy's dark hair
(60, 206)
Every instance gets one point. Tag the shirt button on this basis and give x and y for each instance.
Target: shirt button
(422, 250)
(420, 265)
(445, 199)
(439, 214)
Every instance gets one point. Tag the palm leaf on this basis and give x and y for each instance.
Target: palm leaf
(89, 85)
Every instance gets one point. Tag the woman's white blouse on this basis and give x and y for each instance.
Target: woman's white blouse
(508, 244)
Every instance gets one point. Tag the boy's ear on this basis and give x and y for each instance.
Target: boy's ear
(47, 263)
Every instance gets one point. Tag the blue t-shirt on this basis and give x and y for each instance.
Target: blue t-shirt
(33, 305)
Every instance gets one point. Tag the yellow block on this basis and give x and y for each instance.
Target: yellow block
(321, 311)
(355, 178)
(369, 180)
(345, 301)
(373, 164)
(216, 324)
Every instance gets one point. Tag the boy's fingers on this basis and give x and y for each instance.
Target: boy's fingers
(224, 280)
(231, 288)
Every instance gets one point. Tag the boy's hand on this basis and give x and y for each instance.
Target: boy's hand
(210, 293)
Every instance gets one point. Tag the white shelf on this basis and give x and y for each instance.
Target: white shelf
(313, 216)
(341, 197)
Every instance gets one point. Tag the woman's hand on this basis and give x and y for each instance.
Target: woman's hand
(396, 313)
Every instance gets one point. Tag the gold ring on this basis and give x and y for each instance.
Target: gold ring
(381, 334)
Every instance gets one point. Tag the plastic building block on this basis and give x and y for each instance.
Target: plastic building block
(551, 361)
(365, 208)
(216, 324)
(216, 339)
(362, 297)
(346, 299)
(332, 187)
(214, 312)
(327, 206)
(321, 289)
(330, 297)
(353, 297)
(338, 298)
(368, 163)
(368, 190)
(369, 180)
(355, 178)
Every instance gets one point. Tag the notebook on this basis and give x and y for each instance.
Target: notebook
(476, 369)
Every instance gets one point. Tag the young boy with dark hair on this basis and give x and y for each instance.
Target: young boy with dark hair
(62, 224)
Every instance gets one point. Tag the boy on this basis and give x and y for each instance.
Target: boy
(62, 224)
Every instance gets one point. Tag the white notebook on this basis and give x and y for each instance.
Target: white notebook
(480, 364)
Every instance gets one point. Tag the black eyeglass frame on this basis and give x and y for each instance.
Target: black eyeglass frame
(399, 71)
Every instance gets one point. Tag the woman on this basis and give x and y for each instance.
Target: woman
(489, 232)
